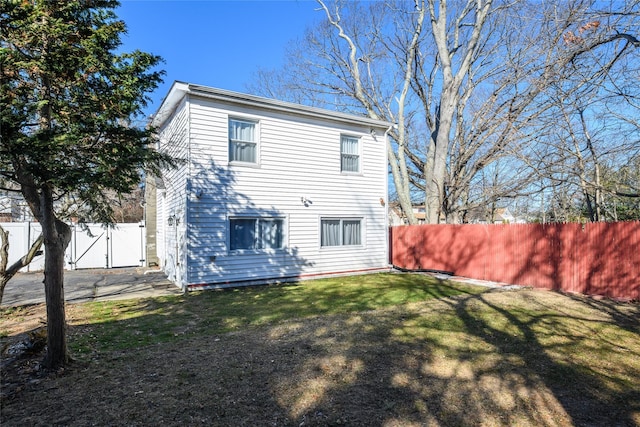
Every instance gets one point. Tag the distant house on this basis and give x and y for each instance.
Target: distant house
(268, 190)
(5, 209)
(497, 216)
(13, 208)
(397, 216)
(474, 216)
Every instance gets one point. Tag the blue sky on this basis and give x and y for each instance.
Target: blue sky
(215, 43)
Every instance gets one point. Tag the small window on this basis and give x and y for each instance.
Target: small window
(256, 233)
(341, 232)
(349, 154)
(243, 141)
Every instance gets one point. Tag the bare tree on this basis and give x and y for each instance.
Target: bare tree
(420, 65)
(468, 83)
(360, 71)
(592, 130)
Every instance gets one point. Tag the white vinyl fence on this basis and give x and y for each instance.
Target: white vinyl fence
(91, 246)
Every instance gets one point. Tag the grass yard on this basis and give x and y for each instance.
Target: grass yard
(376, 350)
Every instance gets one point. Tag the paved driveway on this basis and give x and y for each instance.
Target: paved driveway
(91, 285)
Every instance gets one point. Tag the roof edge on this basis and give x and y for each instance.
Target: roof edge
(180, 89)
(169, 102)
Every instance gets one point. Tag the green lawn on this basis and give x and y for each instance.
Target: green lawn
(129, 324)
(380, 350)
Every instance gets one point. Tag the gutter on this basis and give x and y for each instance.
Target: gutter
(180, 89)
(282, 106)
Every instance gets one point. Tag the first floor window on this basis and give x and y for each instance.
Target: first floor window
(243, 141)
(341, 232)
(256, 233)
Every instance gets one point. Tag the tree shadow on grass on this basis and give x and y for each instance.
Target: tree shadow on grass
(476, 361)
(558, 347)
(493, 358)
(622, 314)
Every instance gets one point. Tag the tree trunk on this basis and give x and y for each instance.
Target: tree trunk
(452, 77)
(57, 236)
(57, 355)
(364, 94)
(434, 180)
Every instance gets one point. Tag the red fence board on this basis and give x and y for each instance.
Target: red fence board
(594, 258)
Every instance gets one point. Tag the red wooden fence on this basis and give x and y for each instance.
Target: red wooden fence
(594, 258)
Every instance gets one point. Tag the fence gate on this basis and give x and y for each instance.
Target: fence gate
(91, 246)
(96, 246)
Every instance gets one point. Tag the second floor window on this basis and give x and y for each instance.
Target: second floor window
(243, 141)
(349, 154)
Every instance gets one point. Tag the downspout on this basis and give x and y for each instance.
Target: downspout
(386, 187)
(186, 245)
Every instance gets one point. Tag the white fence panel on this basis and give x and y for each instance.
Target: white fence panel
(88, 247)
(18, 239)
(126, 245)
(99, 247)
(21, 237)
(37, 263)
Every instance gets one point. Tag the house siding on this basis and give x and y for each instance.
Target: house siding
(171, 202)
(298, 157)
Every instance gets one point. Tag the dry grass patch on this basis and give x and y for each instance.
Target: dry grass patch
(526, 358)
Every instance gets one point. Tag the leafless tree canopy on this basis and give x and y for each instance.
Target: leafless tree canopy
(497, 103)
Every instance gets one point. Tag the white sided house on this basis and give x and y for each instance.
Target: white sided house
(268, 191)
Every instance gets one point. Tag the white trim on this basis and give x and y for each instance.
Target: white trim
(263, 251)
(257, 136)
(179, 89)
(223, 284)
(341, 246)
(359, 139)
